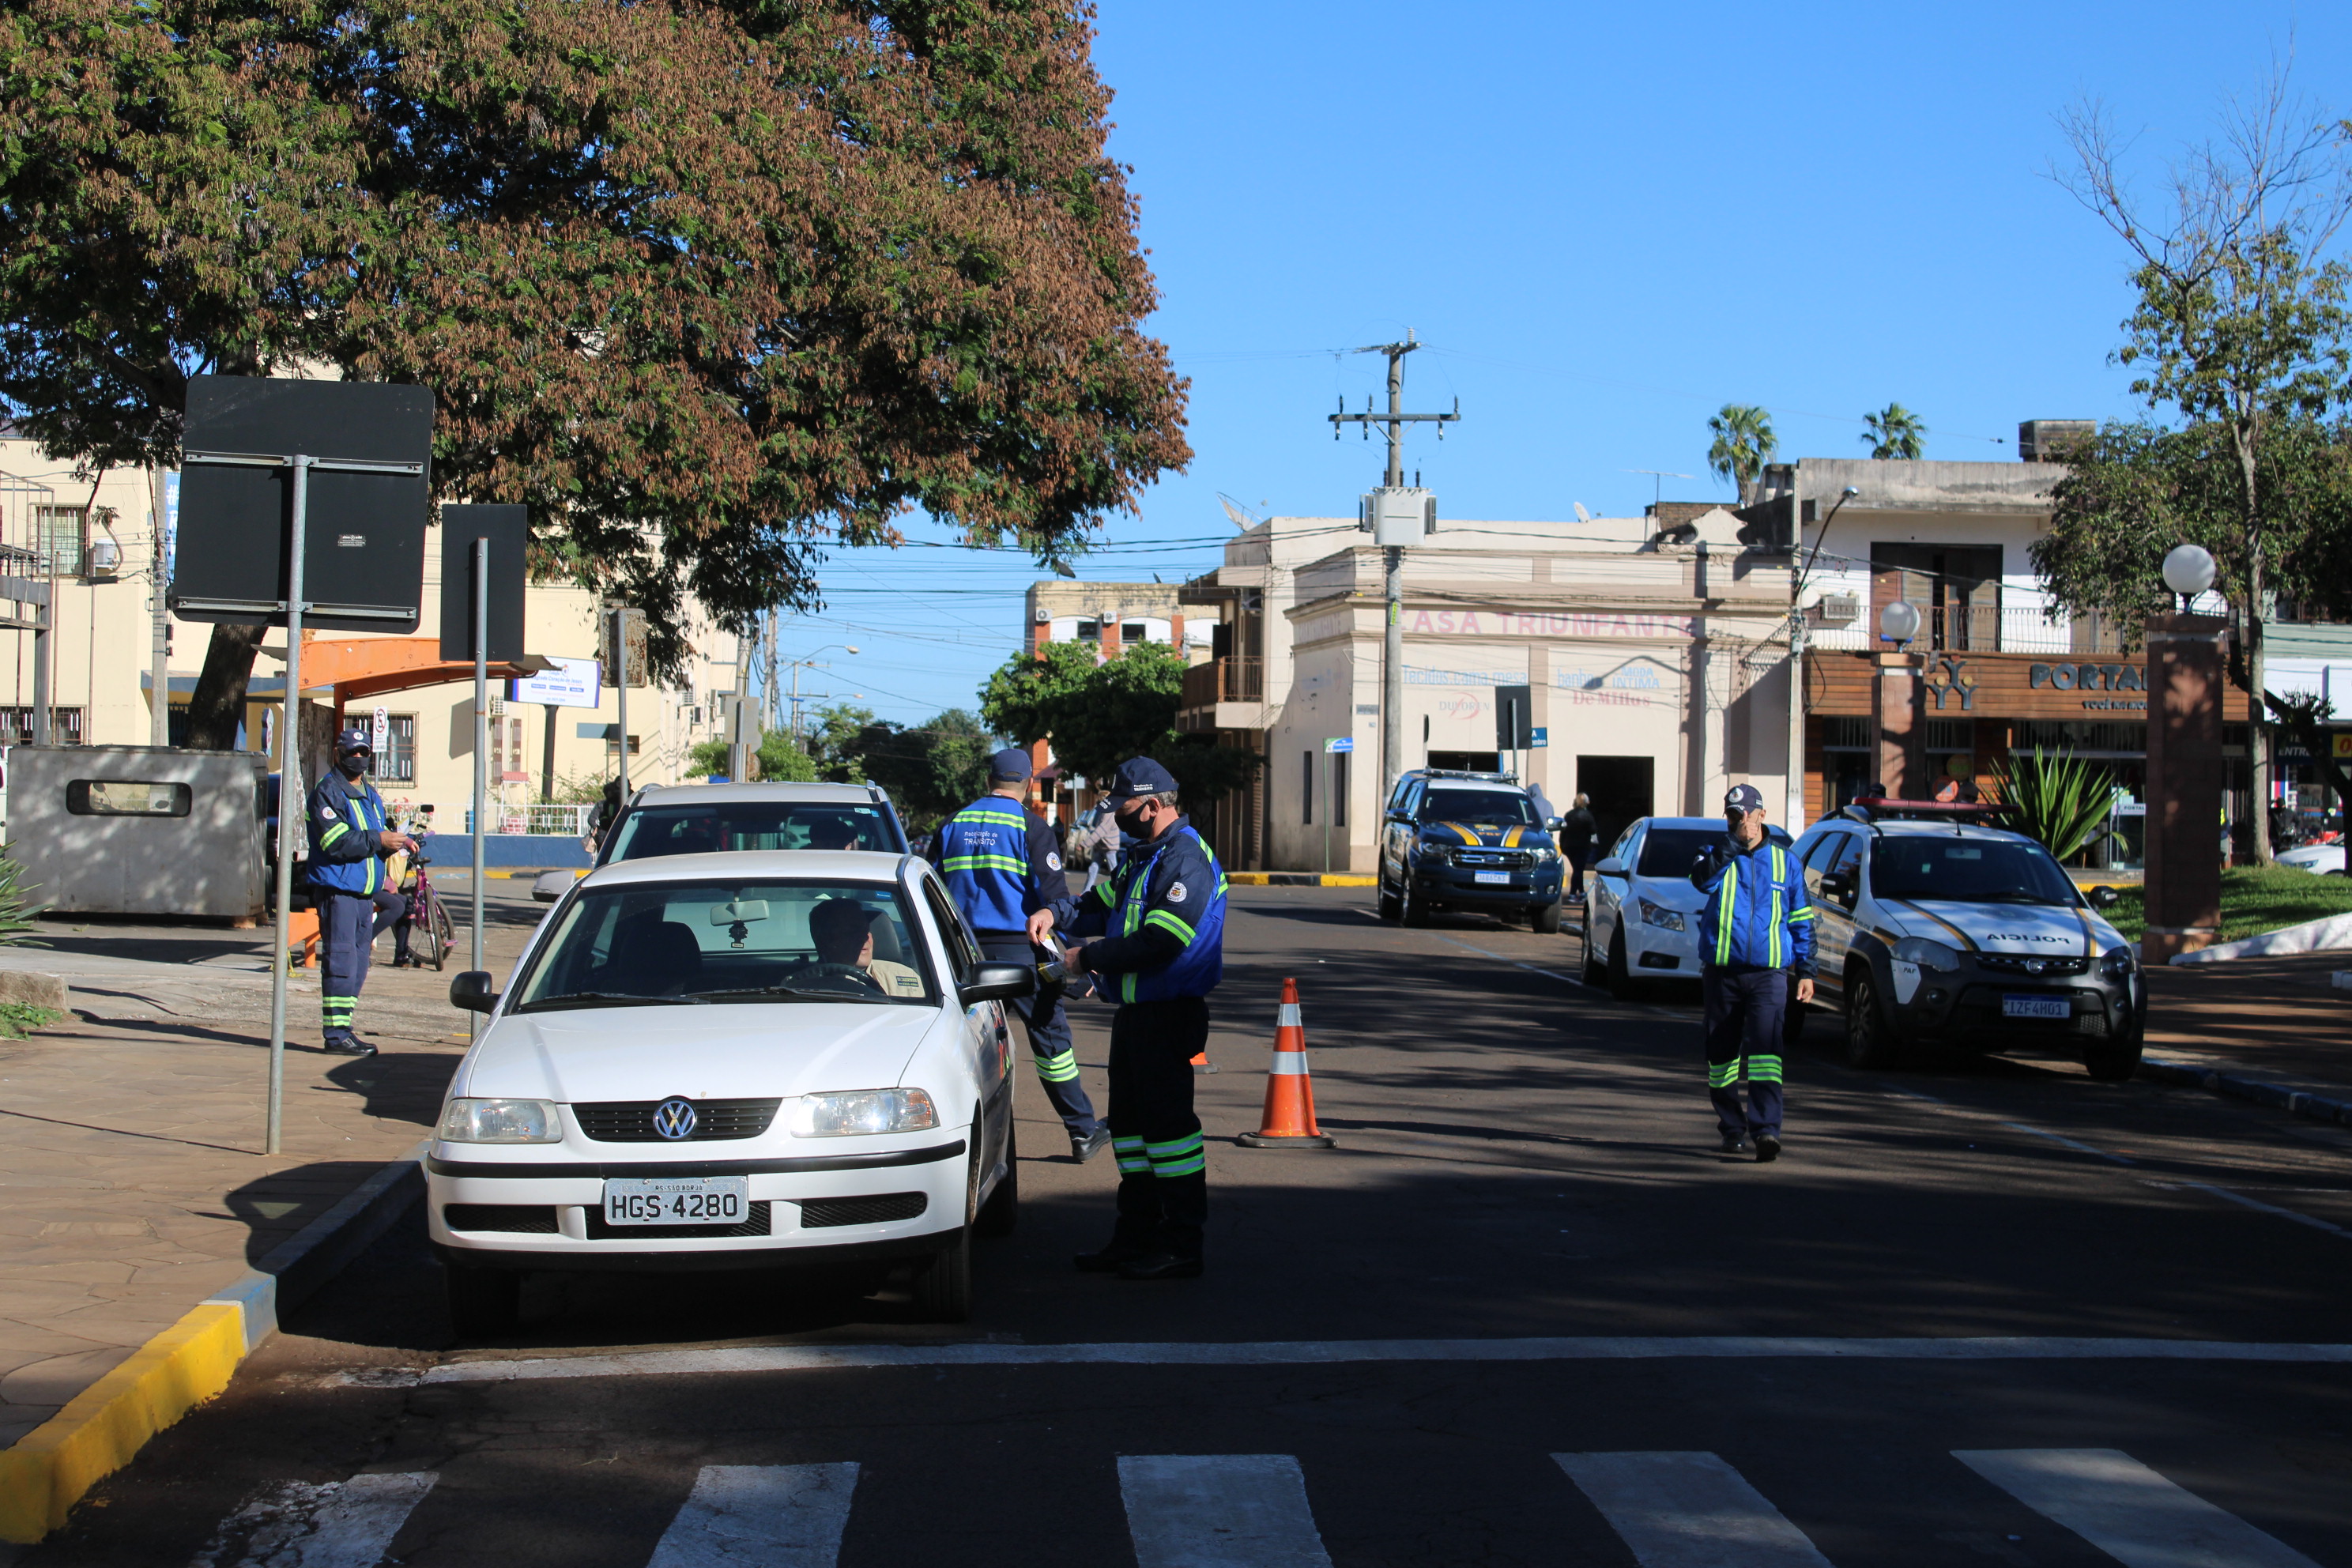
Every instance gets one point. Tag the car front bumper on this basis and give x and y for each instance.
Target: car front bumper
(1965, 1004)
(543, 1208)
(1445, 883)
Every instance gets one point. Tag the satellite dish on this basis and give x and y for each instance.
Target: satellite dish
(1582, 515)
(1242, 516)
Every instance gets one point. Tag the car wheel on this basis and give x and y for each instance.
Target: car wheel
(1003, 1210)
(1621, 979)
(943, 1280)
(1545, 917)
(1391, 907)
(1411, 909)
(2115, 1064)
(1867, 1041)
(483, 1302)
(1594, 974)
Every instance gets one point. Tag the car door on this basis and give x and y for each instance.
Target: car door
(1605, 895)
(988, 1038)
(1832, 873)
(1396, 832)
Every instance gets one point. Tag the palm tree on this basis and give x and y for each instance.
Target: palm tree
(1744, 443)
(1896, 432)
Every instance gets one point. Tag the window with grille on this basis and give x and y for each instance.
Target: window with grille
(396, 763)
(64, 534)
(65, 726)
(1845, 733)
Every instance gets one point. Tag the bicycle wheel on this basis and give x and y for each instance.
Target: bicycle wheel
(443, 938)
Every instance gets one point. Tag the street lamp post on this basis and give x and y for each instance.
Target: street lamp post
(1895, 695)
(2181, 872)
(796, 666)
(1794, 814)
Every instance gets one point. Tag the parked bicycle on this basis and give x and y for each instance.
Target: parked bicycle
(431, 935)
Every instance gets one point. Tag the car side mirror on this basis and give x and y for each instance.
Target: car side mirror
(549, 886)
(997, 983)
(471, 991)
(1612, 866)
(1837, 890)
(1552, 825)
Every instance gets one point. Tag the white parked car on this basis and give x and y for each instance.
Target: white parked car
(2327, 860)
(1641, 912)
(732, 1060)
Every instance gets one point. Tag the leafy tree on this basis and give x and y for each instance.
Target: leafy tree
(833, 741)
(933, 769)
(704, 285)
(2238, 326)
(1894, 431)
(779, 760)
(2133, 491)
(1743, 443)
(1098, 715)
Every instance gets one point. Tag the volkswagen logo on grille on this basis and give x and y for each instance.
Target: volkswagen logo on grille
(674, 1119)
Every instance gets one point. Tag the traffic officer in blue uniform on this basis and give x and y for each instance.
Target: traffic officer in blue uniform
(1161, 917)
(1755, 934)
(1003, 867)
(349, 839)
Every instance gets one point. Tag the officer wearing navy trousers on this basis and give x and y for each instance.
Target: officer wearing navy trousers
(1755, 934)
(1003, 867)
(1162, 917)
(349, 839)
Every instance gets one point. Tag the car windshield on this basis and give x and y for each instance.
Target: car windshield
(726, 826)
(1669, 851)
(1969, 872)
(1492, 807)
(681, 943)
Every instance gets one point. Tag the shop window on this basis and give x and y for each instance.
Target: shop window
(396, 763)
(65, 726)
(64, 534)
(1845, 733)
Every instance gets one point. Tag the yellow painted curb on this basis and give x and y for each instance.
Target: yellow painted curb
(49, 1468)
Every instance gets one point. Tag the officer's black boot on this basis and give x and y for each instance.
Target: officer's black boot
(343, 1043)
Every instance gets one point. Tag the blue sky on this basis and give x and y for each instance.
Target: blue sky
(1606, 223)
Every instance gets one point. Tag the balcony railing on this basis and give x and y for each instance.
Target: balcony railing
(1982, 628)
(1228, 680)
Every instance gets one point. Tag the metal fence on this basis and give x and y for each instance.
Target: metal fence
(1983, 628)
(566, 821)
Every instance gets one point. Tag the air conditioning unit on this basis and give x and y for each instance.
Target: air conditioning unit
(1838, 609)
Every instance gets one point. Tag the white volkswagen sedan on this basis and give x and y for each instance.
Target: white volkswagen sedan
(740, 1060)
(1641, 912)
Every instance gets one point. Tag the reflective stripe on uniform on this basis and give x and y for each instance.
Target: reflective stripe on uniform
(1062, 1069)
(1764, 1069)
(1132, 1159)
(1722, 1075)
(1729, 895)
(985, 862)
(1174, 925)
(1001, 819)
(1179, 1156)
(337, 831)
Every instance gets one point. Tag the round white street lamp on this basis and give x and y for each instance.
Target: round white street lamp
(1899, 622)
(2188, 571)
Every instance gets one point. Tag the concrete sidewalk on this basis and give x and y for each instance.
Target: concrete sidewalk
(2256, 1021)
(131, 1188)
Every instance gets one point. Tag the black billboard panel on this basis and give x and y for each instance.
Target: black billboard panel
(1514, 717)
(508, 528)
(363, 556)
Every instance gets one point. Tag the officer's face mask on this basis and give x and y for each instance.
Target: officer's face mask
(351, 764)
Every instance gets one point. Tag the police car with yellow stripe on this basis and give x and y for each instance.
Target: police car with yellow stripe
(1933, 926)
(1468, 841)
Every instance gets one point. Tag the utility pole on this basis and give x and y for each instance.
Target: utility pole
(1393, 518)
(770, 718)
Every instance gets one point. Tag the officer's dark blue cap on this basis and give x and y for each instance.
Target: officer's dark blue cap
(354, 740)
(1744, 797)
(1138, 775)
(1010, 765)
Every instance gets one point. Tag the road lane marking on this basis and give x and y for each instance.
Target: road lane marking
(1688, 1510)
(2259, 1207)
(1219, 1510)
(774, 1516)
(2128, 1511)
(1321, 1352)
(333, 1524)
(2069, 1142)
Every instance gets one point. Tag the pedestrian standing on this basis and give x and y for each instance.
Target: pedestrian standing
(1579, 837)
(1755, 934)
(1162, 920)
(349, 839)
(1003, 867)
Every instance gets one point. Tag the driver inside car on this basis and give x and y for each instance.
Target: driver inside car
(843, 933)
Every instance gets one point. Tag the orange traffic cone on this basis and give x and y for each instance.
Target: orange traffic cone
(1200, 1063)
(1289, 1119)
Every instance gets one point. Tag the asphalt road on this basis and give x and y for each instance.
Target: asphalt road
(1525, 1169)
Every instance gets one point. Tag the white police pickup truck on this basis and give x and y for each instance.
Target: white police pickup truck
(1935, 928)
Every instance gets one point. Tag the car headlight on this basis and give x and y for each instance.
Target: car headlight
(2117, 963)
(856, 1112)
(1545, 850)
(1659, 915)
(502, 1121)
(1434, 849)
(1927, 954)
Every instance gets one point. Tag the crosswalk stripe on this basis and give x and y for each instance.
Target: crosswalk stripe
(1688, 1510)
(2128, 1511)
(1219, 1510)
(761, 1516)
(304, 1525)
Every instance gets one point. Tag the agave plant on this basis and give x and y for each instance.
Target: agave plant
(2061, 801)
(17, 922)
